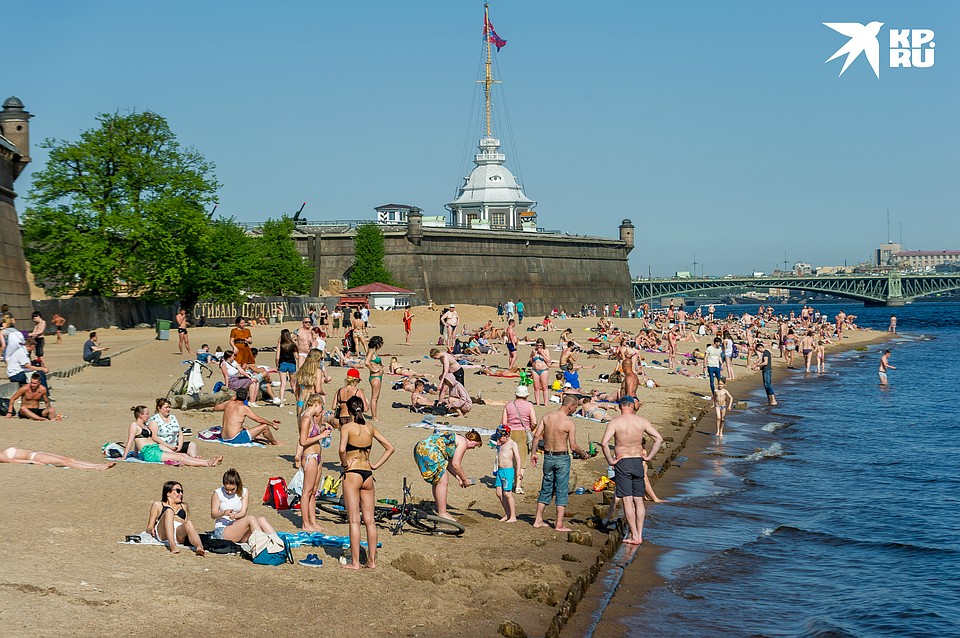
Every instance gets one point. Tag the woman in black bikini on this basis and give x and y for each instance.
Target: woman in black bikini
(169, 520)
(346, 393)
(356, 439)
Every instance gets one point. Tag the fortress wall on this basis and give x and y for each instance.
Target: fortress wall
(14, 289)
(487, 267)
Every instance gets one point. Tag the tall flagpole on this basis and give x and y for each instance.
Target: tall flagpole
(488, 80)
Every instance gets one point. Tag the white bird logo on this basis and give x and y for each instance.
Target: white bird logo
(863, 39)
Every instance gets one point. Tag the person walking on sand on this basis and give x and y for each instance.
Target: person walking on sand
(407, 324)
(520, 419)
(58, 323)
(884, 366)
(512, 342)
(764, 364)
(508, 465)
(559, 434)
(450, 322)
(39, 329)
(627, 461)
(183, 340)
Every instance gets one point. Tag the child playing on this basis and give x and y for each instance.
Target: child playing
(508, 462)
(557, 384)
(722, 402)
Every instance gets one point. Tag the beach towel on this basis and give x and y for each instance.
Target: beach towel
(438, 427)
(318, 539)
(212, 435)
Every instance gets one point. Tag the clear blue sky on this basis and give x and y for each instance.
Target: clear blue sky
(715, 126)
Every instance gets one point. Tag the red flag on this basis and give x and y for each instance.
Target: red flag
(491, 35)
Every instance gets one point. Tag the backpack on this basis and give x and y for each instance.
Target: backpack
(276, 493)
(219, 545)
(457, 347)
(269, 549)
(102, 362)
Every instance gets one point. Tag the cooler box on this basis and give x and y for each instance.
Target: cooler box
(163, 329)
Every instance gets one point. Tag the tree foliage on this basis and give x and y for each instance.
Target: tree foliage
(122, 210)
(368, 266)
(279, 270)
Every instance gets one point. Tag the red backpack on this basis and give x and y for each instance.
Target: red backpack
(276, 493)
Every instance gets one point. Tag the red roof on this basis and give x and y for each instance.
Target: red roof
(373, 288)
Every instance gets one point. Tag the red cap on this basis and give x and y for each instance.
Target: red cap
(353, 372)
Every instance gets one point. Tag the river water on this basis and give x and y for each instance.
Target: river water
(834, 514)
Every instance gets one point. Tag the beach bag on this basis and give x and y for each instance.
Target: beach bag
(113, 450)
(4, 405)
(269, 549)
(276, 493)
(102, 362)
(219, 545)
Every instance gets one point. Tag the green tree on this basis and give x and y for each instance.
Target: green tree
(122, 210)
(224, 269)
(277, 267)
(368, 254)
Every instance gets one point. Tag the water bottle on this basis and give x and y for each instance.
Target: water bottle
(325, 441)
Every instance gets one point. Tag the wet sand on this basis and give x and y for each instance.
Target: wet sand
(65, 567)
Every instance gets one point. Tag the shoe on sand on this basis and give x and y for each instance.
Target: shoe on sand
(312, 560)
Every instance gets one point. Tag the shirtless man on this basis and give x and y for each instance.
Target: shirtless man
(184, 340)
(39, 327)
(627, 460)
(234, 414)
(722, 404)
(418, 396)
(303, 337)
(450, 366)
(841, 318)
(30, 396)
(630, 383)
(450, 322)
(512, 342)
(884, 366)
(672, 337)
(559, 434)
(58, 321)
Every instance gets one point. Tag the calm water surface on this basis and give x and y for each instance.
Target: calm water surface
(836, 513)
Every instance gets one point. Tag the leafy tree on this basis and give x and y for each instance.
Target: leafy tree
(122, 210)
(277, 267)
(225, 270)
(368, 253)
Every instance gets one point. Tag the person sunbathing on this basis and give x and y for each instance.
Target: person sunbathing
(29, 457)
(418, 397)
(396, 368)
(592, 410)
(235, 412)
(144, 444)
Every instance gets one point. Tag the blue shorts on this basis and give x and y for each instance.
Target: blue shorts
(511, 347)
(242, 437)
(505, 478)
(286, 366)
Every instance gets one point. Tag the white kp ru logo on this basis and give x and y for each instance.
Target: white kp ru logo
(909, 48)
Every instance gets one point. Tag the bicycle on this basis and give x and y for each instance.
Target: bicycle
(396, 516)
(179, 387)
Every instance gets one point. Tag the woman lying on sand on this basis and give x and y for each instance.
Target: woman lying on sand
(17, 455)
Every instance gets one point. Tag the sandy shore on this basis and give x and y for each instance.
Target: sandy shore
(61, 528)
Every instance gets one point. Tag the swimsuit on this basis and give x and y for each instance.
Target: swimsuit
(378, 375)
(505, 478)
(181, 514)
(242, 437)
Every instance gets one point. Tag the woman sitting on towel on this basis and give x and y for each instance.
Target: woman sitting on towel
(168, 520)
(228, 508)
(142, 442)
(166, 430)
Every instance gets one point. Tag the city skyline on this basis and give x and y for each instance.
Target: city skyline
(721, 133)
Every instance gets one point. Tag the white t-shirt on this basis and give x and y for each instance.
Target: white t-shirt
(17, 362)
(234, 502)
(713, 354)
(14, 339)
(168, 432)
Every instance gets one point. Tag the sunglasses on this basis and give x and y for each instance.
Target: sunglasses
(177, 490)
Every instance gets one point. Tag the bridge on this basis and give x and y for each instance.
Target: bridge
(873, 290)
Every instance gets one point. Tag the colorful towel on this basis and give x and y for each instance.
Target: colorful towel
(212, 435)
(438, 427)
(318, 539)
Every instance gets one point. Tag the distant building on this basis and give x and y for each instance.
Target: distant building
(926, 259)
(491, 197)
(394, 213)
(883, 256)
(379, 296)
(14, 156)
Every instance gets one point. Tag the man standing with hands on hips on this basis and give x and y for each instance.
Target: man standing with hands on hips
(629, 464)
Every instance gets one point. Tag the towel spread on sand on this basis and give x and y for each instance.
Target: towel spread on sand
(437, 427)
(212, 435)
(318, 539)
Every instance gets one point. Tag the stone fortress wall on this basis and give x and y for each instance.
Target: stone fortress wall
(458, 265)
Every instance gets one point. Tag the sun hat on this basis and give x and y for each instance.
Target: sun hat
(353, 372)
(522, 392)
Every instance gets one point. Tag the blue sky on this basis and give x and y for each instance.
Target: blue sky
(716, 127)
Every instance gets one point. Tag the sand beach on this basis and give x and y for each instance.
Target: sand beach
(66, 570)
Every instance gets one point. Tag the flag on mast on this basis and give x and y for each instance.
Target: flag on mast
(491, 35)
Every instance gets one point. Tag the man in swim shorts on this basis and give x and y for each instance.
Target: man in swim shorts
(884, 366)
(30, 396)
(512, 342)
(235, 412)
(183, 341)
(627, 460)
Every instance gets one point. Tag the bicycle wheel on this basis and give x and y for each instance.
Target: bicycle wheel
(334, 508)
(179, 387)
(436, 525)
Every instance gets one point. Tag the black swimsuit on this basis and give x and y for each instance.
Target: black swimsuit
(364, 474)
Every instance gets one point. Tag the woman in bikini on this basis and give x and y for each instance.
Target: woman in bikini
(142, 443)
(228, 509)
(29, 457)
(356, 440)
(359, 329)
(350, 390)
(375, 365)
(312, 431)
(540, 362)
(396, 368)
(790, 345)
(169, 520)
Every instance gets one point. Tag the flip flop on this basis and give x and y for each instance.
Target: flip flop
(312, 560)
